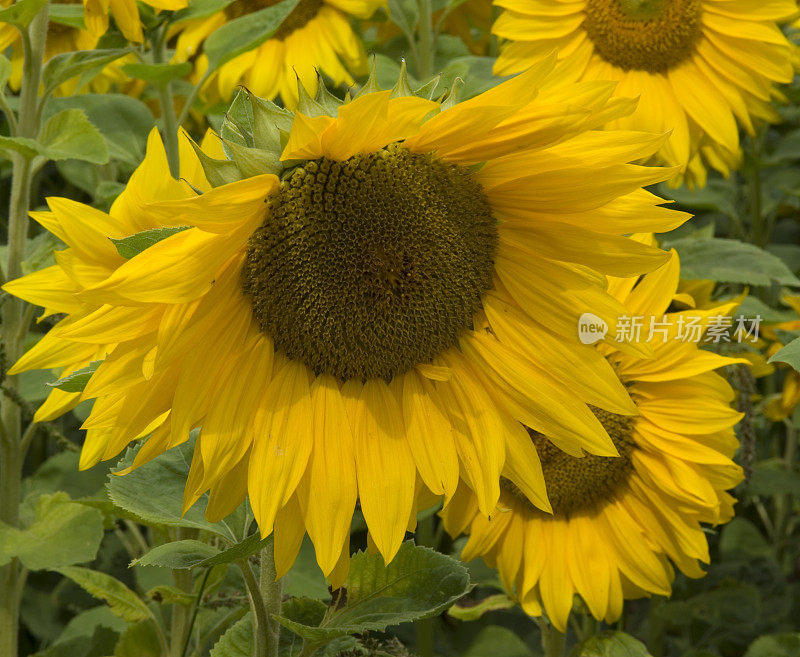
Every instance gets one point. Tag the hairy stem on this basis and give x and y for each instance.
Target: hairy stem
(13, 331)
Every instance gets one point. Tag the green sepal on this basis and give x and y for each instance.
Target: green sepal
(429, 88)
(307, 105)
(371, 85)
(218, 172)
(402, 88)
(253, 161)
(325, 98)
(451, 96)
(271, 124)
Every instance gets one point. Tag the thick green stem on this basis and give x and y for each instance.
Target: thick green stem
(426, 46)
(424, 629)
(13, 330)
(167, 105)
(552, 640)
(265, 599)
(179, 626)
(271, 592)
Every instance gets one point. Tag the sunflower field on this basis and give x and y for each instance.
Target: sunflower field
(400, 328)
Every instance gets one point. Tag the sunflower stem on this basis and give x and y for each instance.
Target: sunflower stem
(553, 641)
(13, 332)
(271, 592)
(167, 105)
(426, 47)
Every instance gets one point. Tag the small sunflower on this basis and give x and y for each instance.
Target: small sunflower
(376, 317)
(781, 406)
(316, 36)
(698, 65)
(617, 522)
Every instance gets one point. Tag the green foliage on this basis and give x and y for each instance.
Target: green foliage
(158, 75)
(775, 645)
(611, 644)
(120, 599)
(21, 13)
(237, 641)
(85, 63)
(131, 246)
(63, 533)
(177, 555)
(76, 381)
(417, 584)
(245, 33)
(789, 354)
(139, 640)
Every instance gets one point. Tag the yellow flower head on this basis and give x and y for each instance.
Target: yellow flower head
(316, 37)
(699, 65)
(376, 318)
(125, 13)
(617, 521)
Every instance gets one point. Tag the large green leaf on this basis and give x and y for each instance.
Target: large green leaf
(730, 261)
(100, 643)
(120, 599)
(139, 640)
(177, 555)
(611, 644)
(69, 135)
(245, 33)
(63, 533)
(417, 584)
(124, 121)
(154, 492)
(237, 641)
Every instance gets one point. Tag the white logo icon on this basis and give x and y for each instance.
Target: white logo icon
(591, 328)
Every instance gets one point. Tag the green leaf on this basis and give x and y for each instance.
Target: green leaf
(245, 33)
(70, 135)
(741, 538)
(418, 583)
(76, 381)
(87, 63)
(770, 477)
(730, 261)
(498, 642)
(305, 579)
(98, 644)
(474, 610)
(611, 644)
(133, 245)
(169, 595)
(153, 493)
(158, 75)
(28, 148)
(124, 121)
(63, 533)
(237, 640)
(775, 645)
(199, 9)
(86, 622)
(120, 599)
(22, 12)
(69, 15)
(789, 354)
(139, 640)
(177, 555)
(252, 544)
(405, 14)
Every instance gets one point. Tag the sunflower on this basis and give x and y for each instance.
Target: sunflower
(698, 65)
(617, 522)
(782, 405)
(376, 317)
(316, 36)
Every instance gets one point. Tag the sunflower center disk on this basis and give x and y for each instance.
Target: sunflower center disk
(300, 16)
(644, 35)
(367, 267)
(580, 485)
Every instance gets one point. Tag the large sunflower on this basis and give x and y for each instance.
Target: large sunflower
(316, 37)
(698, 65)
(125, 13)
(384, 312)
(617, 521)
